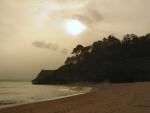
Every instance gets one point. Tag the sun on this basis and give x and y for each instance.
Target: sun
(74, 27)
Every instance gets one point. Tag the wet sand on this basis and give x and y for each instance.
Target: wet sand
(104, 98)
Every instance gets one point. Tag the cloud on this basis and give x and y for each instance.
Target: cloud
(81, 10)
(90, 16)
(49, 46)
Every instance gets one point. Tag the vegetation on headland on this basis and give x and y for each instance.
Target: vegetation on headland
(110, 59)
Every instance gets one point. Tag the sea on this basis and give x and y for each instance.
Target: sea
(13, 93)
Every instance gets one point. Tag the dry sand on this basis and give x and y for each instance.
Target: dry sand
(116, 98)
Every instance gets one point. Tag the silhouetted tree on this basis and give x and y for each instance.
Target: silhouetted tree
(110, 59)
(77, 50)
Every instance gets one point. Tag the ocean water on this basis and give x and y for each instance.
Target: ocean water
(17, 93)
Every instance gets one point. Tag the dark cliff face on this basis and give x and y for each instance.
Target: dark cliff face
(110, 60)
(43, 77)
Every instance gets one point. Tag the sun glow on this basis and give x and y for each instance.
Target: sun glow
(74, 27)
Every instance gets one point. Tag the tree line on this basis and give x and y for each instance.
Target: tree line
(109, 59)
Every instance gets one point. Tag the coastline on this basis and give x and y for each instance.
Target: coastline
(112, 98)
(70, 90)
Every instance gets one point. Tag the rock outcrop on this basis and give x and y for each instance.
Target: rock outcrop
(43, 77)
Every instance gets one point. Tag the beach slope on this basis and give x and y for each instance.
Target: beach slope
(104, 98)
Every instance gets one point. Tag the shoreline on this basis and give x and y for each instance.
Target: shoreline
(112, 98)
(72, 90)
(78, 90)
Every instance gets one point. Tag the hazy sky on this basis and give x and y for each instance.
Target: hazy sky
(34, 36)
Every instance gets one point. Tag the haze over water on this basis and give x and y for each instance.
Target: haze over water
(16, 93)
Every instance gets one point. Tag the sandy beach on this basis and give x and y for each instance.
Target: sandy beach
(104, 98)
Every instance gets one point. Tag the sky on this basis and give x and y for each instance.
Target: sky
(40, 34)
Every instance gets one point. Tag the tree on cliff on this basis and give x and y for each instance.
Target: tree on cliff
(110, 59)
(78, 50)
